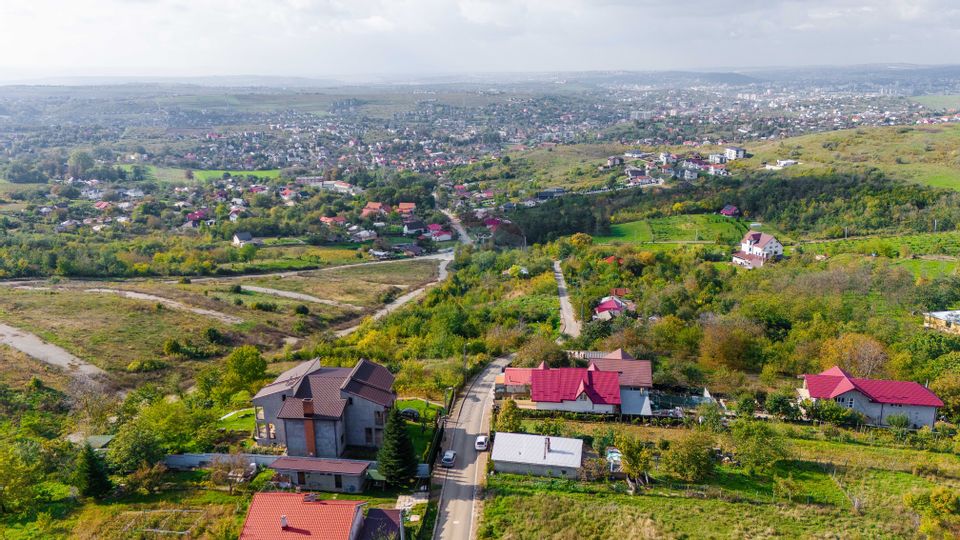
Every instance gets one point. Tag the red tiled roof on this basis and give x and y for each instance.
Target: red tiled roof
(835, 381)
(329, 520)
(563, 384)
(636, 373)
(321, 465)
(517, 376)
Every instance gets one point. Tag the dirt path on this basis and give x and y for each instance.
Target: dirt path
(568, 321)
(402, 300)
(49, 353)
(300, 296)
(173, 304)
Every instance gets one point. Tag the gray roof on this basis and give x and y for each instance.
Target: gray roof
(949, 316)
(532, 450)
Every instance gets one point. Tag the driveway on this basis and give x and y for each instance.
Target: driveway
(568, 322)
(470, 417)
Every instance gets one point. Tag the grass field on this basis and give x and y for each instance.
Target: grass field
(939, 103)
(359, 285)
(829, 475)
(927, 155)
(695, 228)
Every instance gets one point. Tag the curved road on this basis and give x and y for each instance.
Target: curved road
(568, 321)
(469, 418)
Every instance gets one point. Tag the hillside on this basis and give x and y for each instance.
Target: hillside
(927, 155)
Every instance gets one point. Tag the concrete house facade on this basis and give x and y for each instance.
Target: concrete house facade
(318, 411)
(756, 249)
(876, 399)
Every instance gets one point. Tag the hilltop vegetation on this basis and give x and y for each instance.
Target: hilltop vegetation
(928, 155)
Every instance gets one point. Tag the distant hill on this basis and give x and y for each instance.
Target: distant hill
(927, 155)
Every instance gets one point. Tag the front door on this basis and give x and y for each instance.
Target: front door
(301, 478)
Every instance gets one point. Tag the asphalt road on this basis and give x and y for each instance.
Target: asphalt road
(568, 322)
(470, 418)
(455, 221)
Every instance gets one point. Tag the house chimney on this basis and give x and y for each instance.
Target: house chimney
(283, 522)
(308, 407)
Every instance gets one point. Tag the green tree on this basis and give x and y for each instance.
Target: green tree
(245, 368)
(79, 163)
(18, 481)
(397, 460)
(691, 458)
(782, 404)
(636, 458)
(947, 388)
(508, 419)
(710, 417)
(758, 446)
(90, 473)
(746, 406)
(134, 445)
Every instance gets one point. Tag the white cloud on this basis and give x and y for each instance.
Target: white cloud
(330, 37)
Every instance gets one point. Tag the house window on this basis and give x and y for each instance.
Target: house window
(378, 418)
(338, 481)
(368, 435)
(349, 401)
(261, 431)
(845, 401)
(259, 412)
(271, 431)
(301, 478)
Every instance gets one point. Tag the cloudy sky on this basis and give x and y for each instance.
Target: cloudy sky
(327, 38)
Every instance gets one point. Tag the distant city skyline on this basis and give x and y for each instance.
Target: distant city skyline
(351, 38)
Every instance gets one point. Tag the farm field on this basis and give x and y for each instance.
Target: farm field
(293, 257)
(689, 228)
(174, 175)
(927, 155)
(942, 102)
(944, 243)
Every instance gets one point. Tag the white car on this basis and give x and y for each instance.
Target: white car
(448, 459)
(482, 442)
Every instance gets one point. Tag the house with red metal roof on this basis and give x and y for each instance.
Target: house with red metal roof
(586, 390)
(876, 399)
(317, 411)
(284, 516)
(612, 306)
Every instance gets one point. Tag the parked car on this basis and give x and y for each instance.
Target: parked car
(410, 414)
(448, 459)
(482, 443)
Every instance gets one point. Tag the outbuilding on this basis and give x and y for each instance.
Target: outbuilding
(537, 455)
(322, 474)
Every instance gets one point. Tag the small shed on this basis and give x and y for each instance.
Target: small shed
(337, 475)
(537, 455)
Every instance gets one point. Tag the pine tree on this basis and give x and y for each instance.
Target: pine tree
(90, 474)
(397, 460)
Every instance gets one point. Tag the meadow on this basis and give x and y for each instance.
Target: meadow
(829, 476)
(683, 229)
(928, 155)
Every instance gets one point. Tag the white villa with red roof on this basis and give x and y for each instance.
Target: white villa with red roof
(756, 249)
(876, 399)
(317, 411)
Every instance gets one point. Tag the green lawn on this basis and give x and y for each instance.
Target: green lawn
(943, 102)
(242, 420)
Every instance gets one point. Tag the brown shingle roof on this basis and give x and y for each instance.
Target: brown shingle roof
(636, 373)
(292, 409)
(321, 465)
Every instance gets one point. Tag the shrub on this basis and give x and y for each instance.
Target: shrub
(264, 306)
(691, 458)
(213, 335)
(143, 366)
(301, 310)
(236, 289)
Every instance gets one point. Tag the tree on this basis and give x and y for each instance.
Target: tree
(539, 349)
(90, 474)
(245, 367)
(746, 406)
(79, 163)
(636, 458)
(947, 388)
(222, 468)
(397, 461)
(758, 446)
(691, 458)
(782, 404)
(710, 417)
(732, 343)
(581, 240)
(18, 481)
(860, 354)
(508, 419)
(133, 446)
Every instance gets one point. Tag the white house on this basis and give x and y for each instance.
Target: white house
(520, 453)
(734, 152)
(757, 248)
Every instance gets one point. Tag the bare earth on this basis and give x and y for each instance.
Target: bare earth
(229, 319)
(35, 347)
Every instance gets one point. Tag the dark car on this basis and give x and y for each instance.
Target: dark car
(410, 414)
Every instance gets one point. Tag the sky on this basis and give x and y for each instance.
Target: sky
(334, 38)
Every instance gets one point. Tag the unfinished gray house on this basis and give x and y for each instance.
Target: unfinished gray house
(317, 411)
